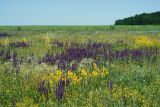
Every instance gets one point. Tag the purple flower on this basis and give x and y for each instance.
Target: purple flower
(20, 44)
(110, 85)
(15, 60)
(59, 90)
(8, 55)
(42, 89)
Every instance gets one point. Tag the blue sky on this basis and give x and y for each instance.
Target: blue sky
(71, 12)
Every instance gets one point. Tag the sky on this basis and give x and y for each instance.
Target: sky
(72, 12)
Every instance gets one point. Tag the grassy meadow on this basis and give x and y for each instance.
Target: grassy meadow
(79, 66)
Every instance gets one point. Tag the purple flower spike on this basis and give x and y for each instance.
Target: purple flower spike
(59, 90)
(8, 55)
(110, 85)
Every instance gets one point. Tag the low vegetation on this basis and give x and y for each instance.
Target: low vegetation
(84, 66)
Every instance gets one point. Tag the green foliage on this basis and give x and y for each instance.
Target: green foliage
(19, 28)
(141, 19)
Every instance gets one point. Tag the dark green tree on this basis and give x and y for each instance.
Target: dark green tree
(141, 19)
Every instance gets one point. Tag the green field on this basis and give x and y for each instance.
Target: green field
(80, 66)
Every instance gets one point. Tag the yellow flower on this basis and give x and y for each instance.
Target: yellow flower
(94, 65)
(94, 74)
(6, 42)
(129, 93)
(75, 79)
(58, 73)
(144, 41)
(83, 72)
(52, 75)
(47, 40)
(104, 72)
(70, 74)
(46, 77)
(95, 68)
(56, 78)
(24, 40)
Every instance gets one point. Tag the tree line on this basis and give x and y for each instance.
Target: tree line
(141, 19)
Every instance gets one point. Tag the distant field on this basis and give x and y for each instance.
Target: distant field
(80, 28)
(75, 66)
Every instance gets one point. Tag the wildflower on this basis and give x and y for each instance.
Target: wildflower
(15, 60)
(46, 77)
(8, 55)
(43, 88)
(70, 74)
(94, 74)
(144, 41)
(83, 72)
(58, 73)
(110, 85)
(6, 42)
(47, 41)
(59, 90)
(73, 77)
(51, 75)
(95, 68)
(94, 65)
(104, 72)
(24, 40)
(66, 80)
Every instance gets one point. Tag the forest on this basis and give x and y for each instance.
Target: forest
(141, 19)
